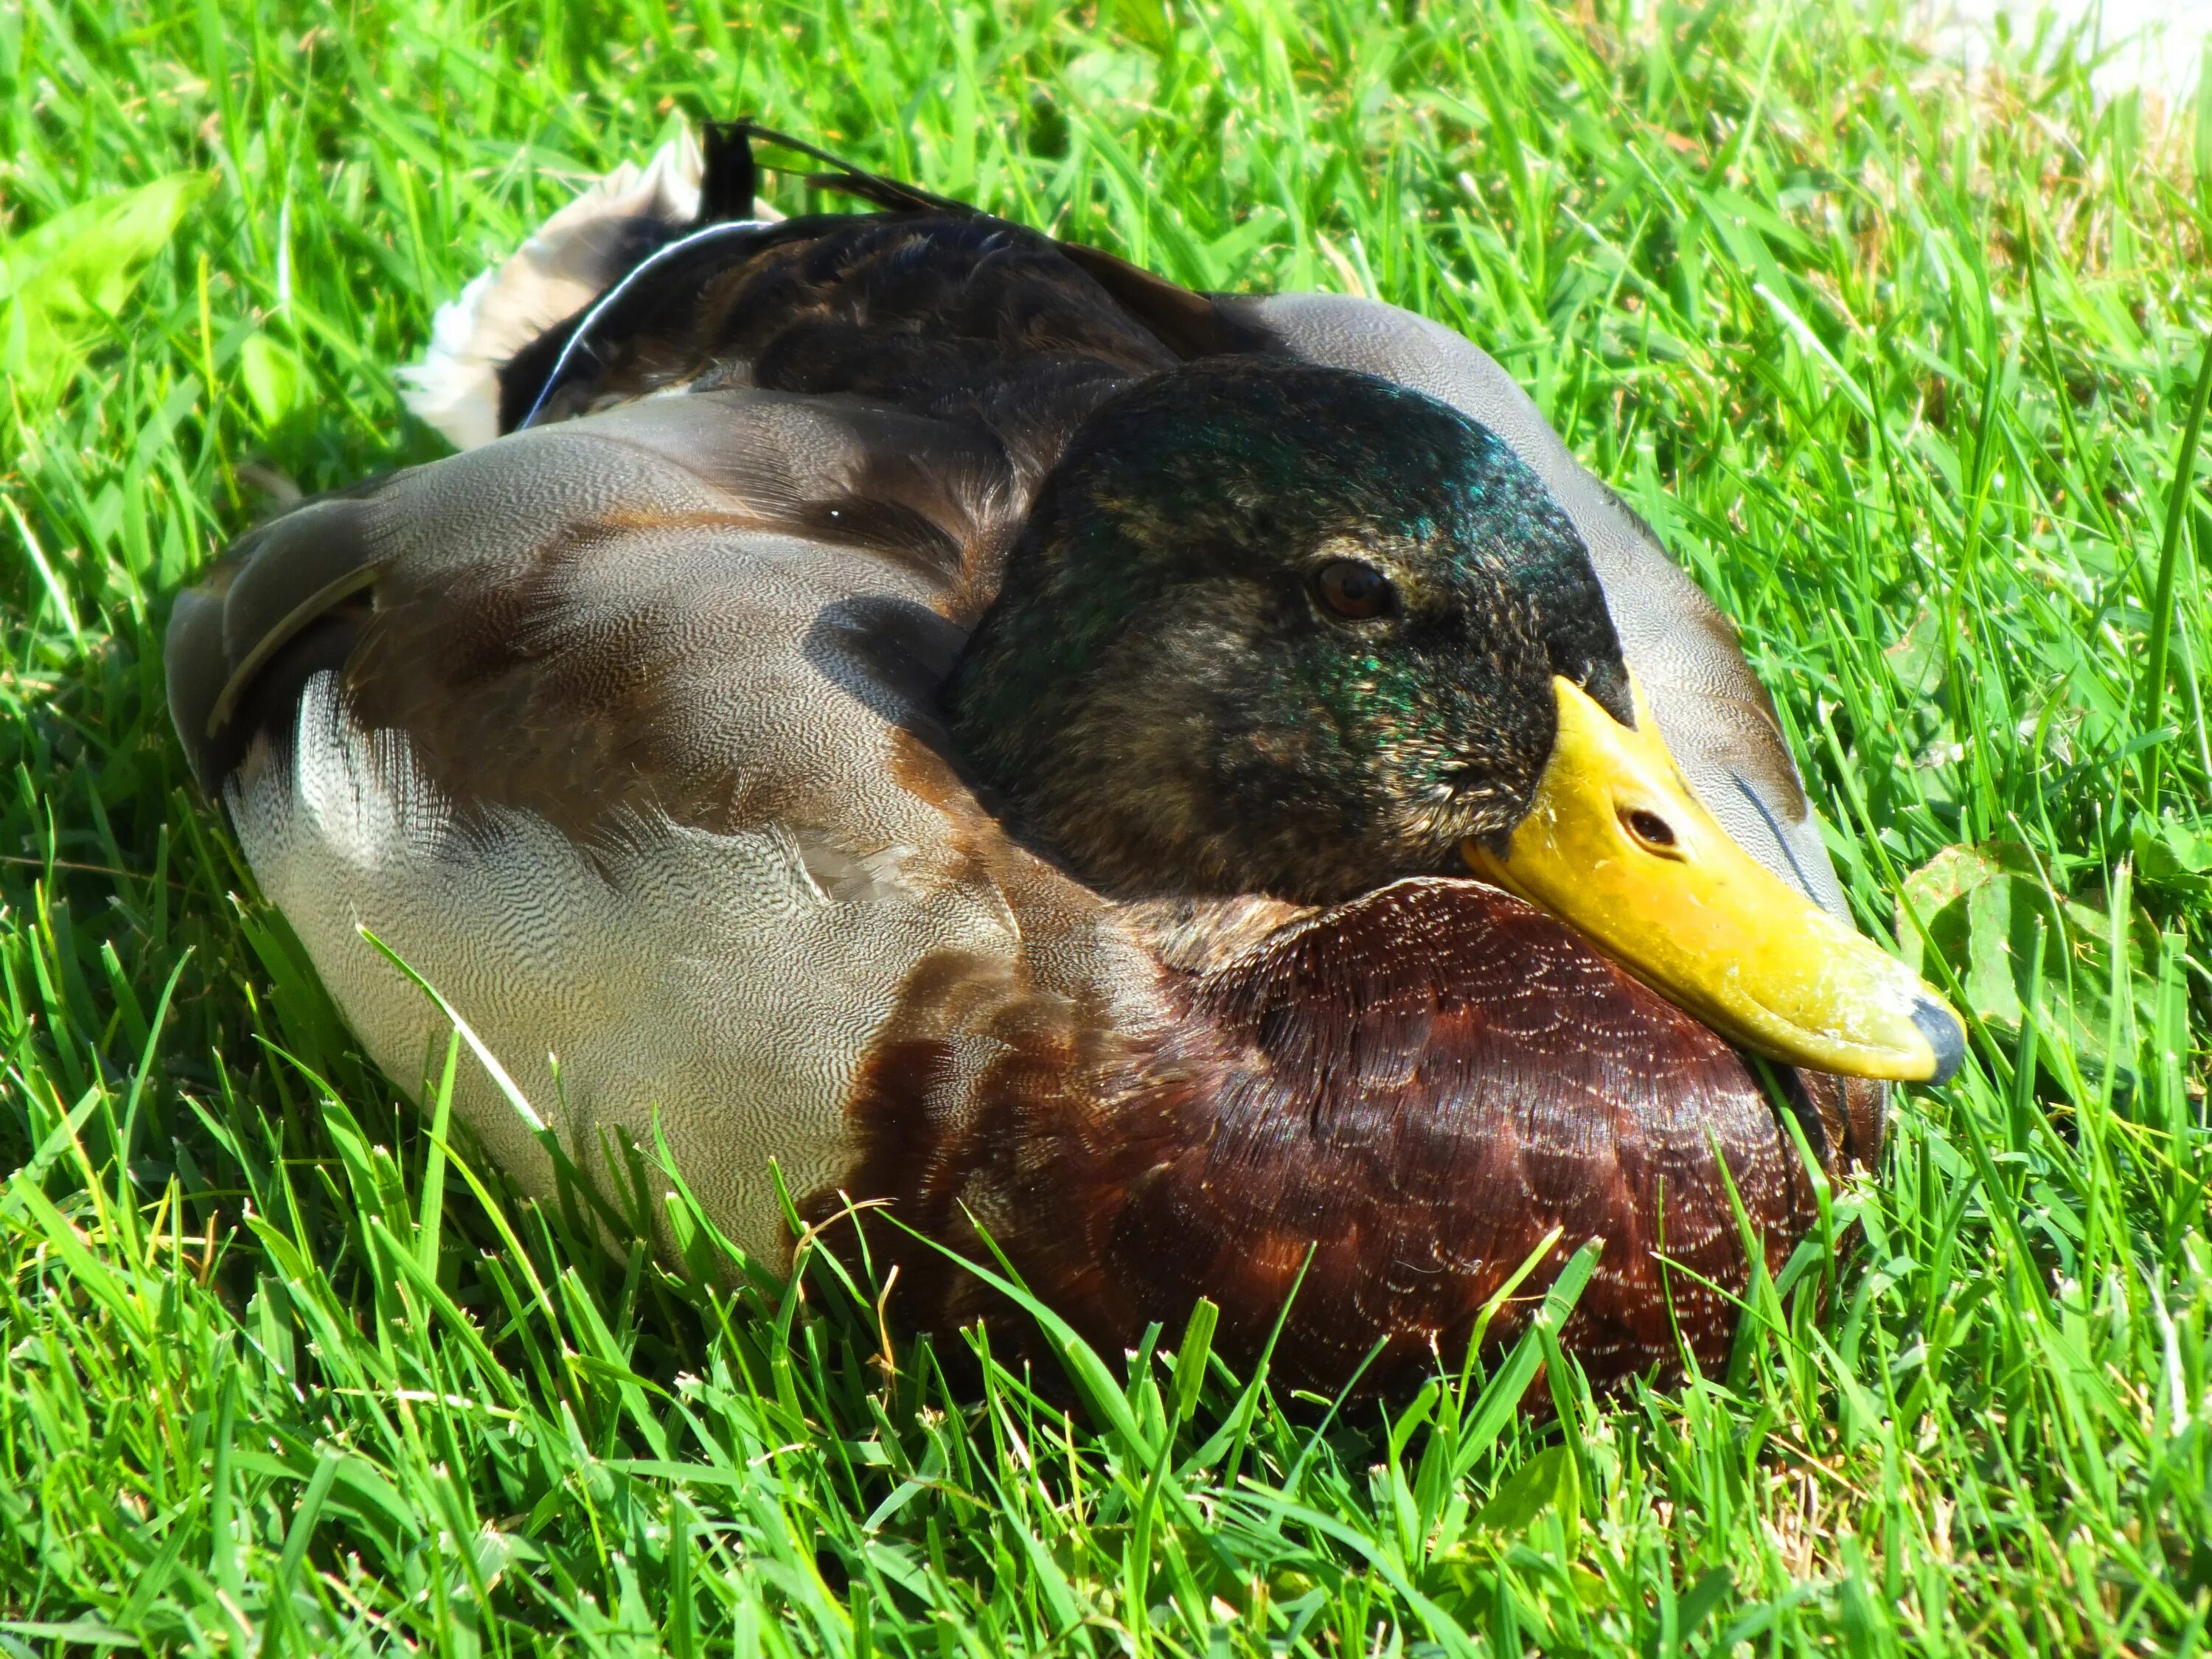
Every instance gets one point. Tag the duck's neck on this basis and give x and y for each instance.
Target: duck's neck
(1388, 1105)
(1055, 708)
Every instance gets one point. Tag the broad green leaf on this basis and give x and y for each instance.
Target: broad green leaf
(2172, 856)
(1546, 1481)
(271, 374)
(1985, 906)
(66, 282)
(1917, 658)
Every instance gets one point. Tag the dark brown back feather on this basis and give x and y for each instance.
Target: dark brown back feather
(952, 316)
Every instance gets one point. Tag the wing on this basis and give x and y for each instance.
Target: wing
(1713, 712)
(619, 731)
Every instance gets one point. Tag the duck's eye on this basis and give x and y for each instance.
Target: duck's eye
(1353, 590)
(1654, 831)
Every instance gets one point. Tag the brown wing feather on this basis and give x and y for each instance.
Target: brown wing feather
(546, 619)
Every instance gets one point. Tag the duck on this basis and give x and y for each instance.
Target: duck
(947, 738)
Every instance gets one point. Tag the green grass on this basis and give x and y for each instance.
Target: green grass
(1901, 370)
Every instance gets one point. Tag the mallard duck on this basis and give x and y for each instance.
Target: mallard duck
(1204, 788)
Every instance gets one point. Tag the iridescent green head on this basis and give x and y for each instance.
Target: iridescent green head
(1279, 629)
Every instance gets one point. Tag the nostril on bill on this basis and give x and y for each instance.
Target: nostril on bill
(1648, 828)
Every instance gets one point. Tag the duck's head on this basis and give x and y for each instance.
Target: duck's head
(1279, 629)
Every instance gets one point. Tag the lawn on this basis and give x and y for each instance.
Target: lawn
(1904, 370)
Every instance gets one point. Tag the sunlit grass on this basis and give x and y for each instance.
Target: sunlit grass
(1902, 370)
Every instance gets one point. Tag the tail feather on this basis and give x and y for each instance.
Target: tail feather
(890, 194)
(574, 257)
(731, 181)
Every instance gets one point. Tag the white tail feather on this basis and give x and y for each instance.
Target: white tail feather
(563, 268)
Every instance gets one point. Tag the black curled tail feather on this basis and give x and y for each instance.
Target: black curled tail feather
(730, 143)
(729, 181)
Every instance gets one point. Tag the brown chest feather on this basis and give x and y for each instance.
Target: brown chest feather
(1397, 1098)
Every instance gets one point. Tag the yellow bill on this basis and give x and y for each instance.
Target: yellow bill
(1616, 845)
